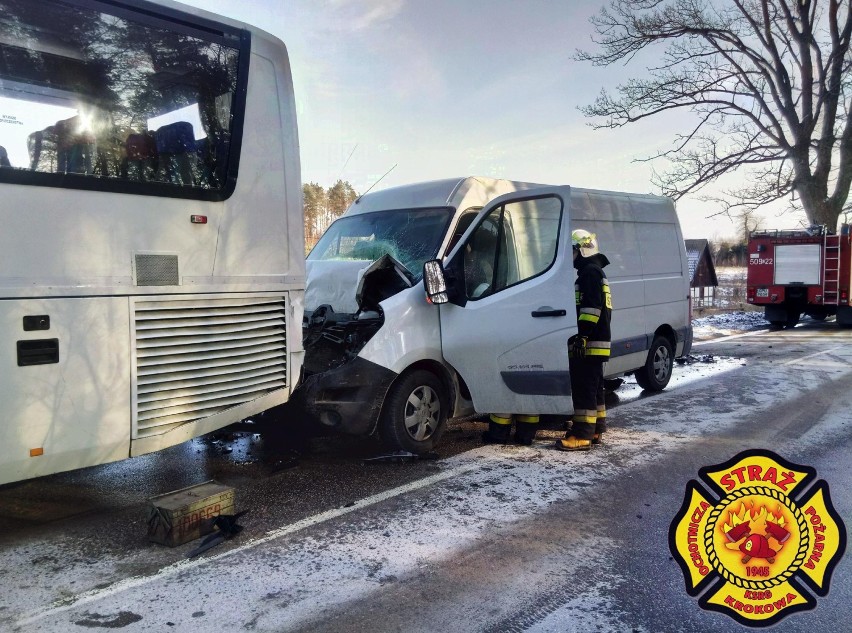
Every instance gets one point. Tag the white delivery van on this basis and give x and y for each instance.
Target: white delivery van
(381, 356)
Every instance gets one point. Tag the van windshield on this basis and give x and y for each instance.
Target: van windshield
(411, 236)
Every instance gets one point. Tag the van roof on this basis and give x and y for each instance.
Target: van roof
(449, 192)
(433, 193)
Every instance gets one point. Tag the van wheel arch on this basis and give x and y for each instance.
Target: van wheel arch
(424, 379)
(655, 374)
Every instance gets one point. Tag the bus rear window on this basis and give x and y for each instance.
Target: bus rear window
(98, 97)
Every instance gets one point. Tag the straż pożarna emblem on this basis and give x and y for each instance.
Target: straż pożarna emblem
(759, 540)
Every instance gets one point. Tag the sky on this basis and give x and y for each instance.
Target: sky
(444, 88)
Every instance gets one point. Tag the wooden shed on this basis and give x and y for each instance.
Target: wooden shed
(702, 273)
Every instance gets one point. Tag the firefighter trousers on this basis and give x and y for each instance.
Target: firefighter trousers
(587, 393)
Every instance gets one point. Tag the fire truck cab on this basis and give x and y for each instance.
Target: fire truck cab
(799, 272)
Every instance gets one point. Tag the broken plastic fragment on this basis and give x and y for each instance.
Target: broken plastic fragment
(382, 279)
(402, 456)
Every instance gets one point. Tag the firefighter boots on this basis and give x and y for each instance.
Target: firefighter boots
(525, 429)
(499, 429)
(572, 443)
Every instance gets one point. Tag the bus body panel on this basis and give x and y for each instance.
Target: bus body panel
(174, 315)
(77, 244)
(269, 183)
(74, 412)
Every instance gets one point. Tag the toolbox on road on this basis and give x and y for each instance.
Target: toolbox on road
(184, 515)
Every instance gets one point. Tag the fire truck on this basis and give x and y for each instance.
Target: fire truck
(798, 272)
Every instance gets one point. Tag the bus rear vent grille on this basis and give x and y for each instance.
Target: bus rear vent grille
(196, 357)
(156, 270)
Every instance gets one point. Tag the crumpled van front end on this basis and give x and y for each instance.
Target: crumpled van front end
(368, 328)
(341, 388)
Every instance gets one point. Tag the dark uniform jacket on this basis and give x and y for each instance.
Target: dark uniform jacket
(594, 305)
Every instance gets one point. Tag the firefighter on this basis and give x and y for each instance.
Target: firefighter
(588, 350)
(500, 428)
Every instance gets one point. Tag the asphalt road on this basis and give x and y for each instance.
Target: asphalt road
(480, 539)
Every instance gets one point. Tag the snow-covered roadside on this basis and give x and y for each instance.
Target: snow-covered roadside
(725, 324)
(729, 298)
(302, 574)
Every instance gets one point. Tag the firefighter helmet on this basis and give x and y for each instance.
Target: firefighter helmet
(585, 242)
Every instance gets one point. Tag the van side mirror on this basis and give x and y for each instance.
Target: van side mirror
(436, 284)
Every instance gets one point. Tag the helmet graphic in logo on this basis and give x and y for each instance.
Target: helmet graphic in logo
(586, 242)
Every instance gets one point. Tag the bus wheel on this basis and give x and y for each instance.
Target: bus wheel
(414, 414)
(657, 372)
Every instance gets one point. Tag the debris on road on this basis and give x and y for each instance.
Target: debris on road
(401, 456)
(691, 359)
(227, 527)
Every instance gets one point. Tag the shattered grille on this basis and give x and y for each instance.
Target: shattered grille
(199, 356)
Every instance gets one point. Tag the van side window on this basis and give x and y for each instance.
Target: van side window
(514, 243)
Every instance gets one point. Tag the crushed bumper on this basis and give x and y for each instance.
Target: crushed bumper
(347, 398)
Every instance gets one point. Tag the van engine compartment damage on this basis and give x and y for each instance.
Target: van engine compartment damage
(331, 338)
(338, 388)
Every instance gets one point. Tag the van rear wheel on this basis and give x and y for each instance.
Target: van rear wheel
(657, 371)
(414, 414)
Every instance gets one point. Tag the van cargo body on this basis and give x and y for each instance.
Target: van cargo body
(381, 358)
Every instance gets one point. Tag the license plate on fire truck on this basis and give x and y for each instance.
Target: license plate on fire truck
(762, 292)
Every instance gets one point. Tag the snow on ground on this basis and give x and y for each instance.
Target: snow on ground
(303, 574)
(729, 313)
(727, 323)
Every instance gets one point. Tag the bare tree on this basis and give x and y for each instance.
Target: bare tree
(769, 81)
(751, 222)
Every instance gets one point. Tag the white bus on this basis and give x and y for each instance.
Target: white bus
(151, 235)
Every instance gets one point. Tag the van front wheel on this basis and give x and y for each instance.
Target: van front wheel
(414, 414)
(657, 371)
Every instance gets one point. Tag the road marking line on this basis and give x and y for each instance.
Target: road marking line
(825, 351)
(93, 595)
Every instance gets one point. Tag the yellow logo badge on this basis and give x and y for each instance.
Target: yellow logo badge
(759, 540)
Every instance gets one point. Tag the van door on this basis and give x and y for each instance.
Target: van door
(513, 304)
